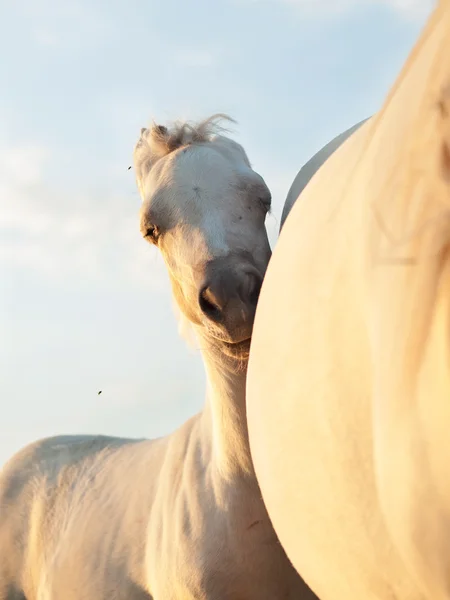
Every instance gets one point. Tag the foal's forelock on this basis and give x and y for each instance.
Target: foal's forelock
(159, 141)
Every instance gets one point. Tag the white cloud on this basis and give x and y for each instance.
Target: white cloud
(407, 8)
(65, 22)
(45, 37)
(24, 163)
(414, 7)
(65, 231)
(191, 57)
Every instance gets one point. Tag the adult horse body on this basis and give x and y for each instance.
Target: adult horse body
(349, 377)
(181, 517)
(309, 169)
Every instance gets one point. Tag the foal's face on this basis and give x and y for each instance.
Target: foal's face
(204, 207)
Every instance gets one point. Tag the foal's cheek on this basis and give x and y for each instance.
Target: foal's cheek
(183, 298)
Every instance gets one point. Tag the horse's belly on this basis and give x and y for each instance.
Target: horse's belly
(316, 474)
(349, 435)
(320, 493)
(309, 405)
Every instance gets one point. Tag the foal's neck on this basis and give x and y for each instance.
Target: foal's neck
(225, 411)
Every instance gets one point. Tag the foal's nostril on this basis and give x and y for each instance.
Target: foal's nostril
(254, 290)
(230, 293)
(207, 305)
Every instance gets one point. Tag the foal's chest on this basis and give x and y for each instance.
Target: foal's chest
(227, 562)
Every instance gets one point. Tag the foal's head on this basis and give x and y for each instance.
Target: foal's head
(204, 207)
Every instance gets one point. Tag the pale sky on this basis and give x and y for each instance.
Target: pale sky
(84, 302)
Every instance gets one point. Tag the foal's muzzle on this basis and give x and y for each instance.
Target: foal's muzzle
(229, 296)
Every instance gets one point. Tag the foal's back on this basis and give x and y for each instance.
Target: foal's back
(70, 519)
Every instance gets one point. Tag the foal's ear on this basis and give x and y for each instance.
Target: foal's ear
(160, 130)
(150, 147)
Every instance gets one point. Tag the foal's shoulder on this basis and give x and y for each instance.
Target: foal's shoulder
(64, 447)
(47, 457)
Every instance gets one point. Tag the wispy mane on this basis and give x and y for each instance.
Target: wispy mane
(159, 140)
(183, 133)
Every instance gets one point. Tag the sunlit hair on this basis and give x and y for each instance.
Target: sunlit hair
(159, 140)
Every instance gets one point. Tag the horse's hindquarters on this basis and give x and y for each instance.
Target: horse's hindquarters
(348, 371)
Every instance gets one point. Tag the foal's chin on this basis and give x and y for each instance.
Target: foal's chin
(234, 344)
(238, 350)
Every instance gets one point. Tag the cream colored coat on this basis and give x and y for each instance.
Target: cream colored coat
(348, 395)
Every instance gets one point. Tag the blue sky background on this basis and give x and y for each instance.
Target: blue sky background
(84, 303)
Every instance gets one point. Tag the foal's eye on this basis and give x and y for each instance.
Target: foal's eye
(152, 233)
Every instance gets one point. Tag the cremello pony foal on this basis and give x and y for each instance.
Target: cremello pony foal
(181, 517)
